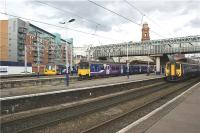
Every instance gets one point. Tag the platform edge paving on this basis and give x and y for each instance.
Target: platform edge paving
(146, 122)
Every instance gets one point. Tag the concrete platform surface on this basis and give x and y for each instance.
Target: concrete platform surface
(73, 85)
(185, 118)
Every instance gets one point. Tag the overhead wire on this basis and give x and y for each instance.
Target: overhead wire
(121, 16)
(65, 11)
(144, 14)
(113, 12)
(45, 23)
(82, 18)
(78, 16)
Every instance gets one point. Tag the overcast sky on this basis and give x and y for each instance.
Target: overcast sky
(168, 18)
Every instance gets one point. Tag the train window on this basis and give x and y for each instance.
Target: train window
(178, 66)
(92, 68)
(167, 65)
(97, 67)
(84, 65)
(101, 67)
(113, 67)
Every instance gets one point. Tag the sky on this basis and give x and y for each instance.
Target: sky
(166, 18)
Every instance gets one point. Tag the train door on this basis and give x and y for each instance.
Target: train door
(122, 69)
(140, 69)
(107, 69)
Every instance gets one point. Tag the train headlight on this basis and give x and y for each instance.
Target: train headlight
(178, 74)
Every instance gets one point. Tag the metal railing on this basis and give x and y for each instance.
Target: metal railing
(189, 44)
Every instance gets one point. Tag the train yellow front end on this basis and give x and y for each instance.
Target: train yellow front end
(84, 70)
(173, 71)
(50, 70)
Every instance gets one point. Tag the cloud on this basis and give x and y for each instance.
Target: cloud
(170, 16)
(194, 23)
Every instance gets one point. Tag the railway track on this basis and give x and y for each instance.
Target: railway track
(116, 123)
(41, 118)
(14, 104)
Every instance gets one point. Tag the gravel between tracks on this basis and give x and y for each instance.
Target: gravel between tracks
(86, 121)
(65, 111)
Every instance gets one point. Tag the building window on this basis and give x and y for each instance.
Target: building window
(145, 34)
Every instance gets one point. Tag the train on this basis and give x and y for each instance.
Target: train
(178, 71)
(51, 69)
(90, 69)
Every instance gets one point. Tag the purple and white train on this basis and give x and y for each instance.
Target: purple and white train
(98, 69)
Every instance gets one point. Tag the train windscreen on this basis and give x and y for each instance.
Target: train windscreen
(50, 67)
(84, 65)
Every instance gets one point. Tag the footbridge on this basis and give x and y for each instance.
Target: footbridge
(157, 48)
(182, 45)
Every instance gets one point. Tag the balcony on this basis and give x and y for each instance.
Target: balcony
(20, 58)
(35, 50)
(51, 56)
(21, 36)
(51, 53)
(36, 60)
(51, 61)
(22, 30)
(21, 41)
(20, 47)
(21, 53)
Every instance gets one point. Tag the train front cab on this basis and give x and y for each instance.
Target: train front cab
(50, 70)
(173, 71)
(84, 70)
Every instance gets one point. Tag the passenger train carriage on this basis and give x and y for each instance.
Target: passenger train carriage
(176, 71)
(54, 69)
(98, 69)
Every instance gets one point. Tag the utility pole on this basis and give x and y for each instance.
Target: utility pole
(66, 54)
(25, 62)
(25, 55)
(127, 62)
(148, 69)
(38, 56)
(66, 59)
(38, 53)
(71, 59)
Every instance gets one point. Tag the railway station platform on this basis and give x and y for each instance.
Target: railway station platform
(184, 118)
(73, 85)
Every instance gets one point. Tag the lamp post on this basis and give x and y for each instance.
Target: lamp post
(148, 69)
(66, 55)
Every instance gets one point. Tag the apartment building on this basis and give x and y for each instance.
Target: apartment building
(4, 40)
(42, 47)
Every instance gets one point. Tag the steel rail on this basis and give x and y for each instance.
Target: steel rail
(102, 126)
(59, 113)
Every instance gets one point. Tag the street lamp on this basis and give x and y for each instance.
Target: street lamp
(66, 54)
